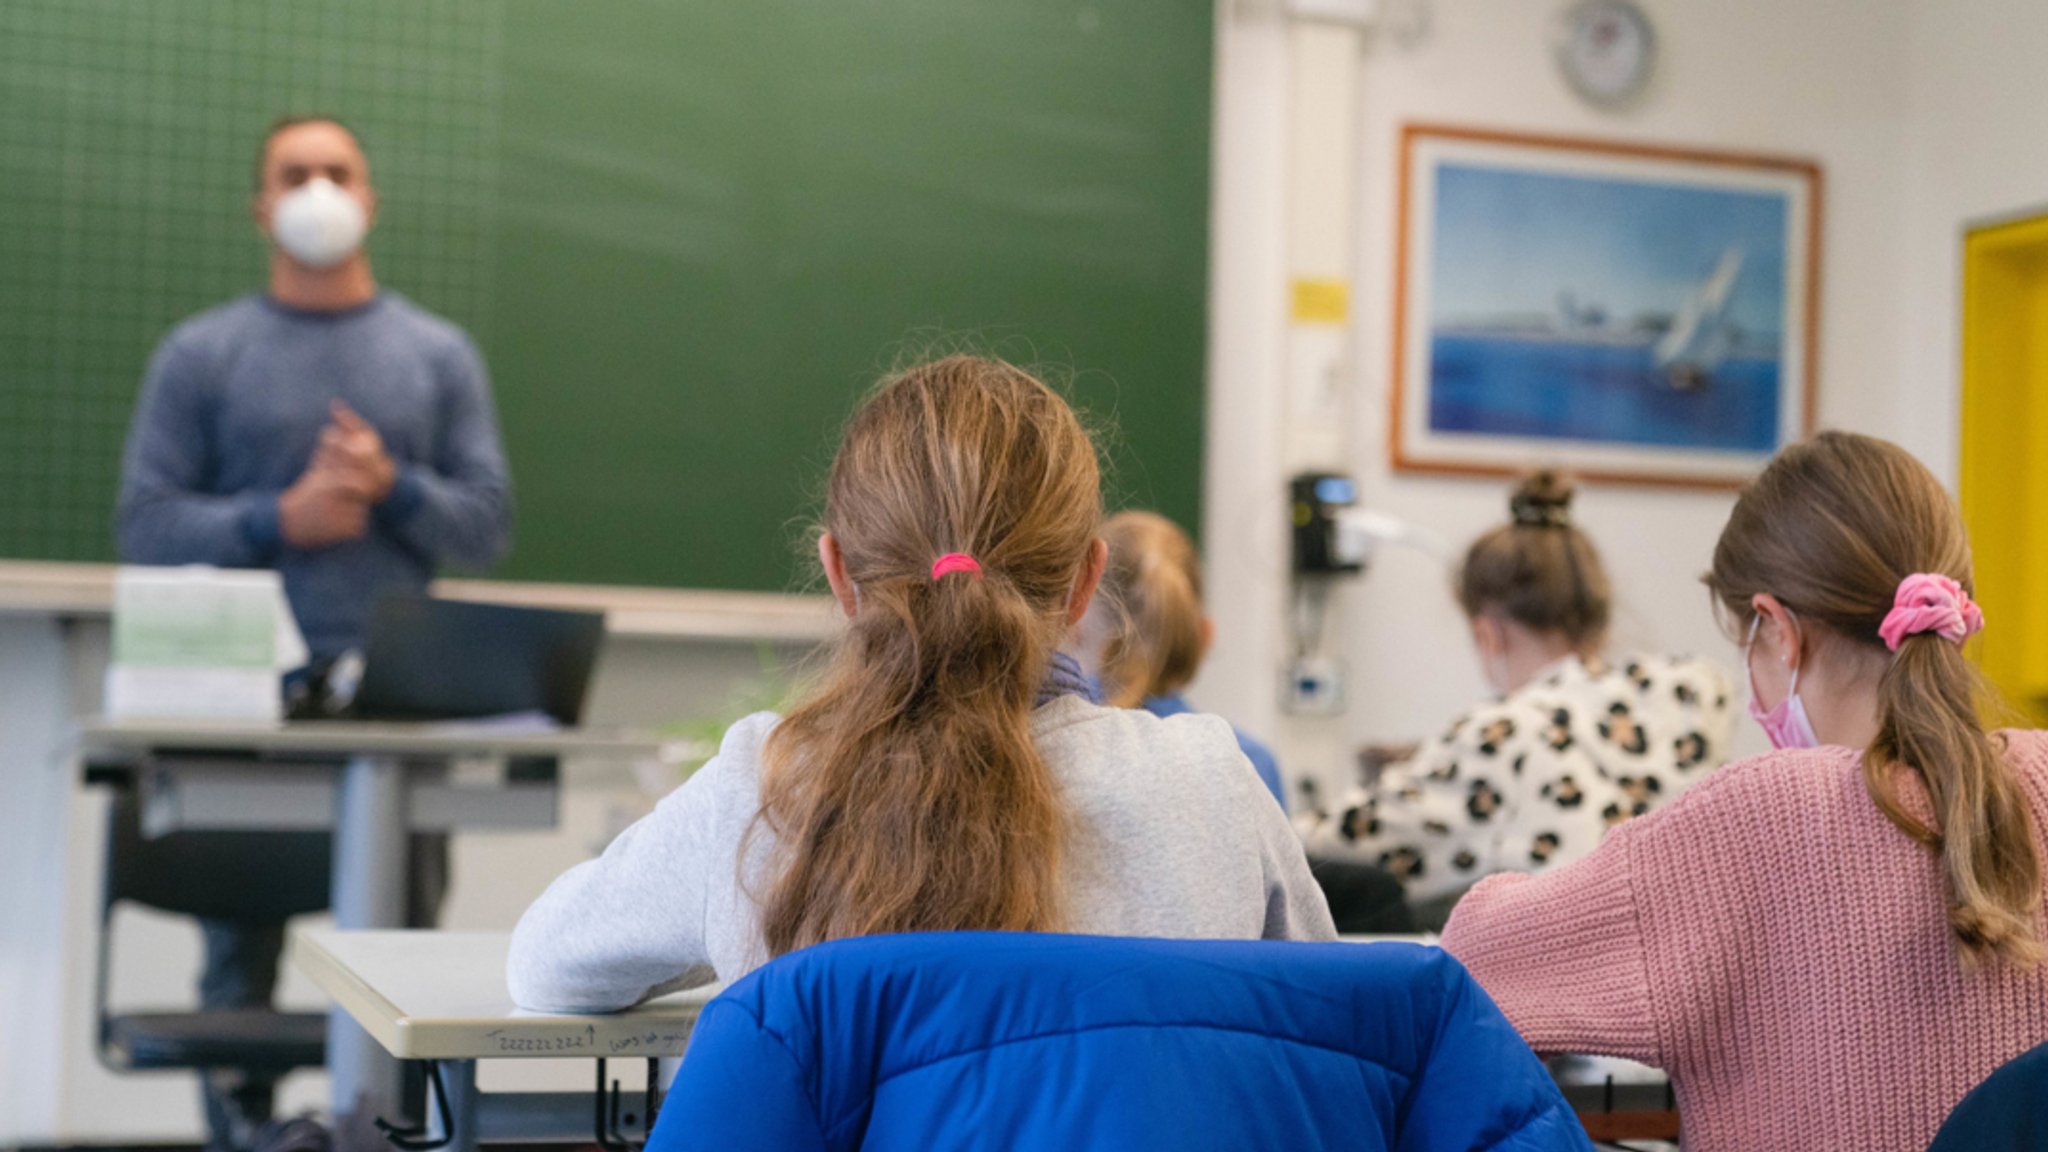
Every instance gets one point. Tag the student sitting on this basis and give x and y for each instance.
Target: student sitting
(1580, 742)
(1147, 636)
(1827, 945)
(1147, 633)
(948, 771)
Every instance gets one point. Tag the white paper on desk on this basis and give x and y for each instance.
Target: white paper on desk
(532, 722)
(200, 643)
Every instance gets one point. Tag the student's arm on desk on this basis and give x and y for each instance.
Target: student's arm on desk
(164, 514)
(1563, 954)
(457, 507)
(630, 924)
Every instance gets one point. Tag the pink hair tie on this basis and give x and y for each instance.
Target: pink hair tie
(1930, 602)
(953, 562)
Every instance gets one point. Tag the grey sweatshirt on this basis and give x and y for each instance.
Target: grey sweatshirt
(1173, 835)
(231, 412)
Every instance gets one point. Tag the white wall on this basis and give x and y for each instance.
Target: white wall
(1824, 80)
(1976, 150)
(35, 708)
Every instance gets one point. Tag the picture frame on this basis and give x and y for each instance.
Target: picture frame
(1628, 312)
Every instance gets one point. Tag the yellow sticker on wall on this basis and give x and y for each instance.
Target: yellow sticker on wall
(1321, 301)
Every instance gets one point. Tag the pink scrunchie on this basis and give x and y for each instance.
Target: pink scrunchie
(956, 562)
(1930, 602)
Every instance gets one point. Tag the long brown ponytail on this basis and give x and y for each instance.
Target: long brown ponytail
(1153, 586)
(905, 792)
(1831, 528)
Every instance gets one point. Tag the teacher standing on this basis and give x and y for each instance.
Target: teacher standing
(331, 430)
(326, 428)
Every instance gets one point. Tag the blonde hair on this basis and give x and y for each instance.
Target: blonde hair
(1538, 569)
(1831, 528)
(905, 791)
(1152, 588)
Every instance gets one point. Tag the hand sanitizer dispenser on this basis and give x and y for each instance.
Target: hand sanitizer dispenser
(1318, 501)
(1332, 537)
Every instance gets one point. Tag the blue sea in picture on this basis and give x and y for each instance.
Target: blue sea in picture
(1510, 384)
(1607, 310)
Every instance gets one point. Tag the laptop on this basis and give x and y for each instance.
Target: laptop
(431, 659)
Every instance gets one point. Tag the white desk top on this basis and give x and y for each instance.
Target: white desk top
(66, 589)
(441, 996)
(357, 738)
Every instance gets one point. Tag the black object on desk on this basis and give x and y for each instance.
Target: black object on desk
(431, 659)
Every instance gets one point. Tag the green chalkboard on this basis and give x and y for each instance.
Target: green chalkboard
(686, 235)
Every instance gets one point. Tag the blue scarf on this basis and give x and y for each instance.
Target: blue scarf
(1063, 678)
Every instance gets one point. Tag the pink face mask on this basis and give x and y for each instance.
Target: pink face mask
(1786, 725)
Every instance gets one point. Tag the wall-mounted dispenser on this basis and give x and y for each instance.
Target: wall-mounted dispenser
(1332, 537)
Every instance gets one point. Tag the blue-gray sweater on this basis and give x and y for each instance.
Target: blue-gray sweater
(231, 412)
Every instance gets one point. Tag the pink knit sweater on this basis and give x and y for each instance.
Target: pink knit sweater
(1773, 943)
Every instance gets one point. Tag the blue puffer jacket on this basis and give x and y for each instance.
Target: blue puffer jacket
(998, 1040)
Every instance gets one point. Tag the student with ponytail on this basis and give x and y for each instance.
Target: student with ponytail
(1829, 944)
(1147, 632)
(1146, 636)
(948, 770)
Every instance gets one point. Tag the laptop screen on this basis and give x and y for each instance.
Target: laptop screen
(430, 659)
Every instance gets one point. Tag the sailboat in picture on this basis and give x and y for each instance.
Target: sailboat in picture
(1700, 336)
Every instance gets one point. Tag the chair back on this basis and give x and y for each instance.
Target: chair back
(251, 877)
(2008, 1112)
(1009, 1040)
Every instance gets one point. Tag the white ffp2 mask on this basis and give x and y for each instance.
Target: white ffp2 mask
(318, 224)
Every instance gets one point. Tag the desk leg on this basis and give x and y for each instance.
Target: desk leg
(370, 824)
(458, 1080)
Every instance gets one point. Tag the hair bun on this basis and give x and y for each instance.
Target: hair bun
(1542, 500)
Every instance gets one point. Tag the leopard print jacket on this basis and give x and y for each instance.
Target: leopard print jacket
(1535, 781)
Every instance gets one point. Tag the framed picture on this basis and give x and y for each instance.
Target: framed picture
(1631, 313)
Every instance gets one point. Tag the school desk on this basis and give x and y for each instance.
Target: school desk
(372, 783)
(440, 997)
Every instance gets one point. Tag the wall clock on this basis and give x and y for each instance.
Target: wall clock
(1607, 50)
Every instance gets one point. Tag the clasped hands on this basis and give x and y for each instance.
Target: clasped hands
(350, 474)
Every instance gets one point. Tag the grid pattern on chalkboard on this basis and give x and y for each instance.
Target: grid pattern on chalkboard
(126, 162)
